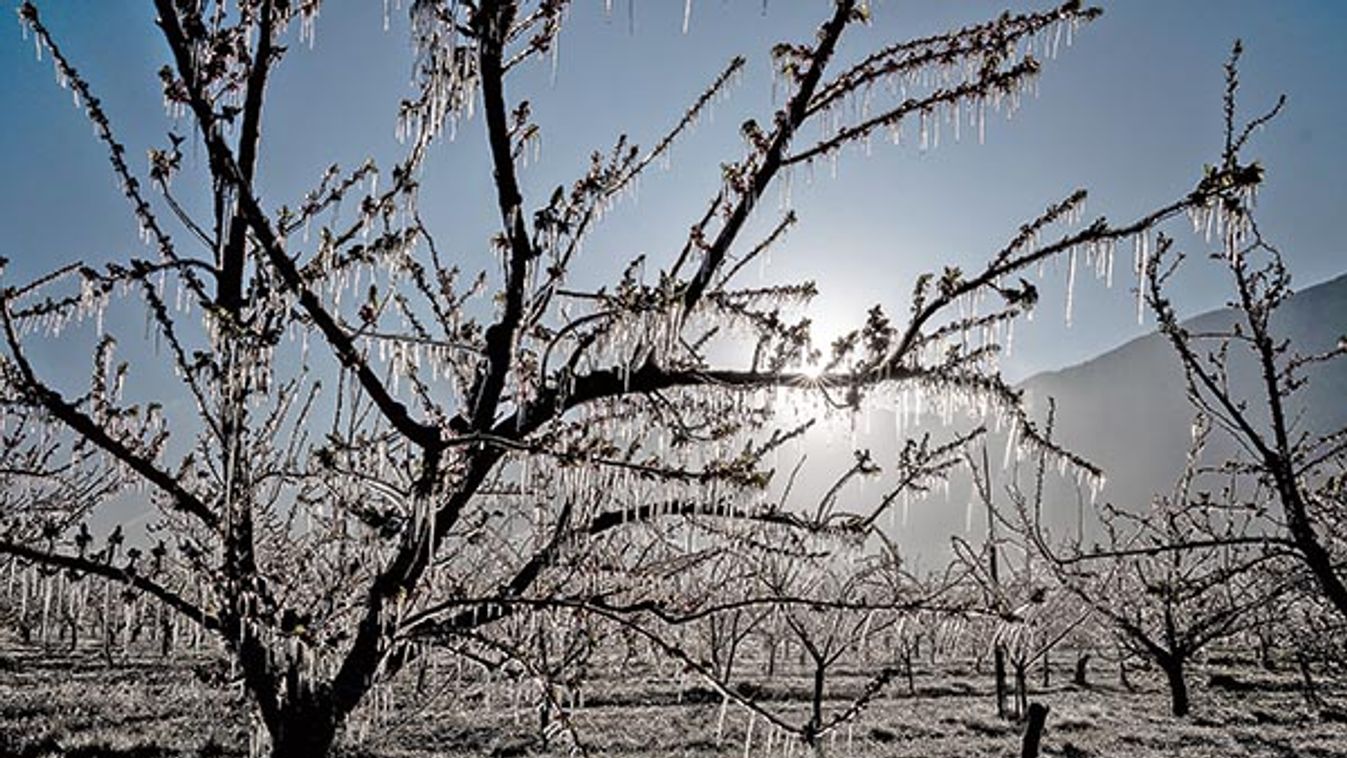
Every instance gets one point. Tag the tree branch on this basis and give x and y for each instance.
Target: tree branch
(125, 576)
(84, 426)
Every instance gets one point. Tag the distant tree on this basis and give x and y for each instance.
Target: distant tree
(47, 485)
(1316, 635)
(723, 634)
(827, 606)
(1298, 628)
(1176, 578)
(1029, 611)
(363, 451)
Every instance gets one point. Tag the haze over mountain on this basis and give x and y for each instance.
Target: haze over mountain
(1126, 409)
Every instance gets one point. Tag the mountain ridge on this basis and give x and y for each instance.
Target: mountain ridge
(1126, 408)
(1332, 284)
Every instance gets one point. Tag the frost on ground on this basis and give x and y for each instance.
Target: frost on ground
(80, 705)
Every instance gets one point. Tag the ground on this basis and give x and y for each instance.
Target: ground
(146, 707)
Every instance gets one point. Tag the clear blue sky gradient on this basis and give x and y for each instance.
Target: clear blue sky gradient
(1131, 111)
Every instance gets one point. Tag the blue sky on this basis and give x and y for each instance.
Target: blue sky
(1130, 111)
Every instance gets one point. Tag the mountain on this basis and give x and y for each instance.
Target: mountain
(1126, 410)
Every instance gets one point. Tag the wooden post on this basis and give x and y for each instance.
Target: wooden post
(1033, 730)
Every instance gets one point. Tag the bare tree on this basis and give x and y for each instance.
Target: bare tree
(368, 450)
(1030, 612)
(826, 608)
(47, 485)
(1305, 468)
(722, 635)
(1174, 579)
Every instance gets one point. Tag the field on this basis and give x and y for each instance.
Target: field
(79, 705)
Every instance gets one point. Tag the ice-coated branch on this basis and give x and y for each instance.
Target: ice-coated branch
(123, 575)
(773, 152)
(87, 428)
(1258, 294)
(971, 48)
(492, 24)
(1181, 546)
(995, 83)
(547, 19)
(425, 435)
(68, 76)
(232, 256)
(607, 180)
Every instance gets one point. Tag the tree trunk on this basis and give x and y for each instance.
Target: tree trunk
(1298, 520)
(167, 635)
(1310, 690)
(422, 677)
(1265, 652)
(544, 722)
(107, 645)
(302, 715)
(1021, 689)
(729, 660)
(999, 655)
(1082, 671)
(305, 727)
(73, 624)
(1178, 686)
(816, 718)
(303, 738)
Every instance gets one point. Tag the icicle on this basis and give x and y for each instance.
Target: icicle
(1110, 252)
(1143, 268)
(1012, 441)
(25, 588)
(982, 121)
(1070, 285)
(46, 608)
(720, 720)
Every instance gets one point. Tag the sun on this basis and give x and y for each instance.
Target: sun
(812, 370)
